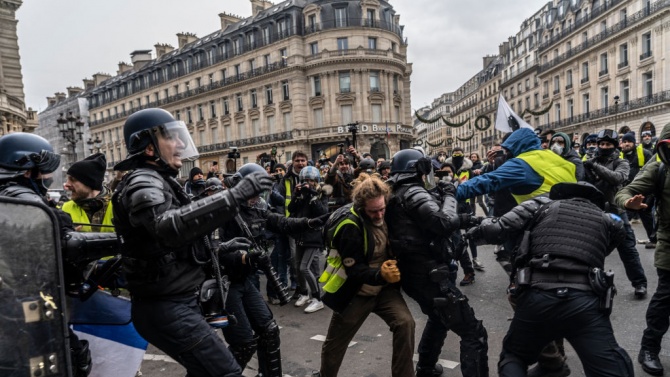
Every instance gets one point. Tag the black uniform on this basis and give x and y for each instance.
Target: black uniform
(164, 253)
(416, 224)
(566, 240)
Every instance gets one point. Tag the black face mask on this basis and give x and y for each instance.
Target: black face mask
(605, 152)
(40, 186)
(199, 182)
(458, 161)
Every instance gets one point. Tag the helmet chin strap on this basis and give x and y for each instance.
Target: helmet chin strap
(158, 160)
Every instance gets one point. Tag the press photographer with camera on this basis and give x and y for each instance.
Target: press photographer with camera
(340, 177)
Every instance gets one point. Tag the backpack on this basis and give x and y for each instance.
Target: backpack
(334, 274)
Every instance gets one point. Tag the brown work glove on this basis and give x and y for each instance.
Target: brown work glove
(389, 271)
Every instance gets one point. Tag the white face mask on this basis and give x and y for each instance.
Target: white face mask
(557, 149)
(441, 158)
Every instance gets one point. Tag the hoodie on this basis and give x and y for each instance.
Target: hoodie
(569, 154)
(515, 174)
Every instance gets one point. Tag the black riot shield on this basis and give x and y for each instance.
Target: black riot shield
(33, 327)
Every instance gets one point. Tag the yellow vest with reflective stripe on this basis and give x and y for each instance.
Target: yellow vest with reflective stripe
(462, 177)
(552, 167)
(287, 200)
(79, 216)
(640, 155)
(334, 275)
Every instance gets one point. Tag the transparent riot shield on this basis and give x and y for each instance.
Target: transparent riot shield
(33, 327)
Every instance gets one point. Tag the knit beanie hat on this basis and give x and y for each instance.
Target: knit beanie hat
(279, 166)
(90, 171)
(629, 136)
(194, 171)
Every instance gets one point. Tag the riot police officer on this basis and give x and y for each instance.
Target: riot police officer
(27, 163)
(417, 223)
(560, 288)
(163, 241)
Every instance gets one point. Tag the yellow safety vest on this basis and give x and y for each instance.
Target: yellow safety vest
(462, 177)
(79, 216)
(334, 275)
(287, 200)
(640, 155)
(552, 167)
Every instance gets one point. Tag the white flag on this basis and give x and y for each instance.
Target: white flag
(502, 117)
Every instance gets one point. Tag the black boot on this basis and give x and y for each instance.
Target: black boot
(539, 371)
(429, 372)
(650, 363)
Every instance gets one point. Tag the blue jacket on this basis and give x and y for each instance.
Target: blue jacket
(515, 174)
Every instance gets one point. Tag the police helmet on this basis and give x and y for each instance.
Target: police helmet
(593, 138)
(213, 184)
(145, 126)
(20, 152)
(310, 172)
(246, 169)
(367, 164)
(404, 161)
(585, 190)
(608, 135)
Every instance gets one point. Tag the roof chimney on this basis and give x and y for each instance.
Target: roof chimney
(162, 49)
(72, 91)
(124, 67)
(228, 19)
(51, 101)
(60, 96)
(139, 58)
(258, 6)
(186, 38)
(89, 84)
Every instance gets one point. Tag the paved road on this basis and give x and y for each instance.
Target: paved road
(370, 353)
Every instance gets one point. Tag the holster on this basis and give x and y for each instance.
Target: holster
(452, 307)
(209, 297)
(602, 284)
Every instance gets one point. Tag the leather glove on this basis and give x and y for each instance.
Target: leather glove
(318, 222)
(256, 259)
(588, 164)
(446, 188)
(467, 220)
(251, 186)
(236, 244)
(389, 271)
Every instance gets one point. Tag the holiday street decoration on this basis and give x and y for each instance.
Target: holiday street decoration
(424, 120)
(465, 138)
(455, 125)
(435, 145)
(540, 112)
(485, 119)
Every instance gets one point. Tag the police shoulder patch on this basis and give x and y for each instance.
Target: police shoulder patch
(348, 262)
(615, 217)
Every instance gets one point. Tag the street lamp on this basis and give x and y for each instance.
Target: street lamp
(616, 110)
(94, 144)
(71, 129)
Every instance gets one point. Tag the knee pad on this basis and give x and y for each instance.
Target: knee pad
(243, 352)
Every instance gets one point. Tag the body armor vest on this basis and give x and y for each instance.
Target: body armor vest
(569, 232)
(152, 268)
(407, 239)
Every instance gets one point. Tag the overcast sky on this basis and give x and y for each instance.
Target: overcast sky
(62, 42)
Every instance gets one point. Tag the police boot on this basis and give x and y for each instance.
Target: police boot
(650, 363)
(429, 372)
(540, 371)
(81, 359)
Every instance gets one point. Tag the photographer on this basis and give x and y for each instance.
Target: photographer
(340, 177)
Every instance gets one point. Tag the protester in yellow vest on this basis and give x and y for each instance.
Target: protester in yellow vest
(529, 171)
(90, 206)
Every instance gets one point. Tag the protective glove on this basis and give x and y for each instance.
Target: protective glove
(467, 220)
(236, 244)
(588, 164)
(257, 259)
(318, 222)
(251, 186)
(389, 271)
(446, 188)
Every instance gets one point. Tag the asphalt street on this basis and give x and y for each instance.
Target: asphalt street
(369, 354)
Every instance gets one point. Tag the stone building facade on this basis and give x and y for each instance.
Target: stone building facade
(293, 75)
(576, 66)
(14, 117)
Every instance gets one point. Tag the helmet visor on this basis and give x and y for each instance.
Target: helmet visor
(177, 132)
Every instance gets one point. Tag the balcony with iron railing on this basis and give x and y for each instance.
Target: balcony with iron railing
(623, 64)
(627, 23)
(262, 41)
(639, 103)
(584, 80)
(193, 92)
(602, 73)
(250, 141)
(361, 52)
(568, 86)
(645, 55)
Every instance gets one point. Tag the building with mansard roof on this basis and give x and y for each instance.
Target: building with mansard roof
(292, 75)
(576, 66)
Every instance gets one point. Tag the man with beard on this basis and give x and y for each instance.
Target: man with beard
(340, 177)
(648, 141)
(196, 182)
(560, 144)
(590, 147)
(90, 199)
(609, 173)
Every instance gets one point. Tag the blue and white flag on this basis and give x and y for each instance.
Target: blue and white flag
(116, 347)
(503, 117)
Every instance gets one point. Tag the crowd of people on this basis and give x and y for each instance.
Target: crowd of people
(193, 250)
